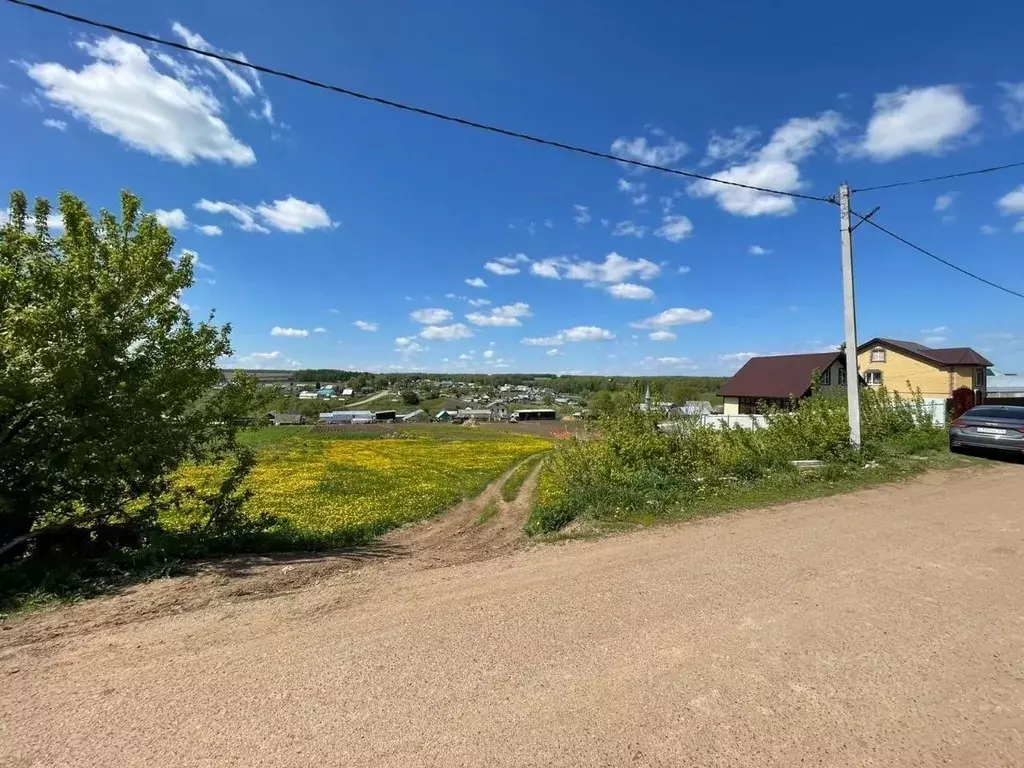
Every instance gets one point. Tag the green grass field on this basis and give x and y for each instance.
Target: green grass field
(336, 488)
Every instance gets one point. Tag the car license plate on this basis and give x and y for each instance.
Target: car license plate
(991, 431)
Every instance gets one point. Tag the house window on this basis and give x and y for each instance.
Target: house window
(873, 378)
(841, 377)
(826, 377)
(877, 355)
(979, 378)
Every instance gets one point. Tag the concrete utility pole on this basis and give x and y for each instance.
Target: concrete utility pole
(850, 317)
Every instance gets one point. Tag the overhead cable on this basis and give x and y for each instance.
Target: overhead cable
(405, 107)
(941, 178)
(939, 259)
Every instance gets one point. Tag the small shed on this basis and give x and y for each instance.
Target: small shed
(284, 419)
(385, 415)
(347, 392)
(347, 417)
(445, 416)
(535, 414)
(477, 414)
(415, 416)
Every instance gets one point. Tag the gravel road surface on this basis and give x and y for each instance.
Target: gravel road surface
(881, 628)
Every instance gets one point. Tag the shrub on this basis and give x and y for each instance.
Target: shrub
(625, 466)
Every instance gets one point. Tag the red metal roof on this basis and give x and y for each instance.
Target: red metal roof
(777, 376)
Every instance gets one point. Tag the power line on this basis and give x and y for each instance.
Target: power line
(941, 178)
(401, 106)
(939, 259)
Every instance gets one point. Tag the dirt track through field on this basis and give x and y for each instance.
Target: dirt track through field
(880, 628)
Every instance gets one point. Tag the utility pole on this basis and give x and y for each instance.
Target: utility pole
(850, 319)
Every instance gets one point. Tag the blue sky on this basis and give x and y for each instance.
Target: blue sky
(332, 232)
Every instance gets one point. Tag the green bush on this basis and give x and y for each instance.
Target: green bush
(624, 467)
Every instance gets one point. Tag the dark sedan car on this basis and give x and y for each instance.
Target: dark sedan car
(998, 427)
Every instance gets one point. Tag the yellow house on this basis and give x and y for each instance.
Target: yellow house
(906, 367)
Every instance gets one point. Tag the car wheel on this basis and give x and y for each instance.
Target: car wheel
(953, 448)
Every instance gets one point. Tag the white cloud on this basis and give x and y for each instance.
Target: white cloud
(547, 268)
(320, 330)
(196, 263)
(290, 332)
(614, 269)
(987, 229)
(479, 302)
(244, 82)
(630, 291)
(288, 215)
(121, 94)
(489, 354)
(519, 258)
(294, 215)
(1012, 105)
(53, 221)
(942, 202)
(661, 336)
(936, 330)
(728, 147)
(674, 316)
(446, 332)
(773, 166)
(624, 185)
(928, 120)
(737, 357)
(432, 316)
(475, 282)
(243, 214)
(582, 215)
(260, 356)
(544, 341)
(175, 219)
(363, 325)
(674, 228)
(587, 333)
(506, 316)
(673, 360)
(57, 125)
(758, 250)
(408, 346)
(553, 352)
(653, 154)
(210, 230)
(500, 269)
(1012, 204)
(641, 199)
(684, 270)
(629, 229)
(934, 339)
(334, 311)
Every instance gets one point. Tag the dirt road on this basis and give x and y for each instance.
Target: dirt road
(881, 628)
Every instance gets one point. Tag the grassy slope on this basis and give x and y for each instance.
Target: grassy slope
(787, 488)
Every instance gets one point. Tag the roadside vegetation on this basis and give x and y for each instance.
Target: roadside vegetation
(624, 471)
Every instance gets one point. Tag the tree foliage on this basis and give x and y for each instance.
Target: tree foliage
(409, 397)
(106, 383)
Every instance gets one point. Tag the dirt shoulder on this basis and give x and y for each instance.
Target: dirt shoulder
(877, 628)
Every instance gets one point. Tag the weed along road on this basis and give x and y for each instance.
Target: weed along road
(883, 628)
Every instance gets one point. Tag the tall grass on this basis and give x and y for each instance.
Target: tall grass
(625, 467)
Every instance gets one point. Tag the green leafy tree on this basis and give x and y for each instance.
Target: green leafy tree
(410, 398)
(106, 383)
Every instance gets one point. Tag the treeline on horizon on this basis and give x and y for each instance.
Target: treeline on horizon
(563, 383)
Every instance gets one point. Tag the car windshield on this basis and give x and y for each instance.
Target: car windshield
(996, 412)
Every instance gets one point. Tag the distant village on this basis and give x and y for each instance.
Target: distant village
(441, 400)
